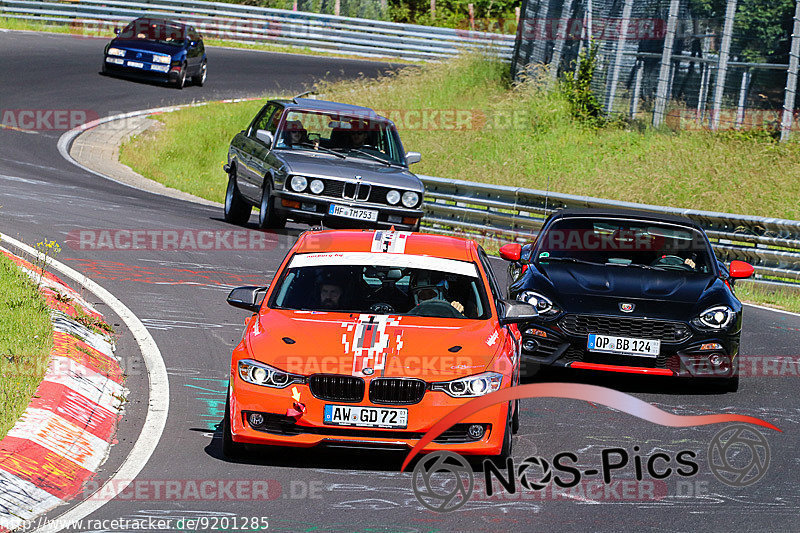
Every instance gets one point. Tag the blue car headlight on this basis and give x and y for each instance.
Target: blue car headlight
(162, 59)
(116, 52)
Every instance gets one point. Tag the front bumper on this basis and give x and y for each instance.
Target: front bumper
(148, 70)
(689, 358)
(309, 430)
(314, 209)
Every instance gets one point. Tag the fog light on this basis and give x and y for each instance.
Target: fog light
(537, 332)
(720, 362)
(476, 431)
(256, 419)
(309, 207)
(530, 345)
(394, 219)
(711, 346)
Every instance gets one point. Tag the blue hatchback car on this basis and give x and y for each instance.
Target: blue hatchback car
(158, 49)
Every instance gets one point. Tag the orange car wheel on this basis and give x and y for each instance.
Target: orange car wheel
(230, 449)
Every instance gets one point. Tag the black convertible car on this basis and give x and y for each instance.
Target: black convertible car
(628, 292)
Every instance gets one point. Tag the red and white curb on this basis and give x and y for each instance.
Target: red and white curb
(68, 428)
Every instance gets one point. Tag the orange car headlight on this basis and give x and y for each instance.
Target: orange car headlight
(265, 375)
(471, 386)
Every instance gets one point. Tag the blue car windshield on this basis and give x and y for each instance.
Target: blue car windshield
(149, 31)
(623, 242)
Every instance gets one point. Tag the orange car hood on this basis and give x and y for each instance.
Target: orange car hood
(432, 349)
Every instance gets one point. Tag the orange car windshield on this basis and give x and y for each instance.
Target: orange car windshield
(383, 289)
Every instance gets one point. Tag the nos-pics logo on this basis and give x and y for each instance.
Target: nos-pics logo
(443, 481)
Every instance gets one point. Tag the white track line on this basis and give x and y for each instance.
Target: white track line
(765, 308)
(158, 405)
(65, 141)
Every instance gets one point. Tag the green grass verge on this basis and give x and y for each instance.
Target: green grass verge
(521, 136)
(777, 296)
(29, 25)
(26, 337)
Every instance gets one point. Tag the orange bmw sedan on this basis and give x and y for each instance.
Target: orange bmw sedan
(367, 339)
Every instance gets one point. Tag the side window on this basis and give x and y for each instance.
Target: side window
(266, 120)
(487, 266)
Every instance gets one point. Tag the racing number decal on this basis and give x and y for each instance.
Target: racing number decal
(370, 341)
(393, 242)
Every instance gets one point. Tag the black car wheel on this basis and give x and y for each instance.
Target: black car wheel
(200, 78)
(237, 210)
(730, 384)
(267, 217)
(508, 441)
(181, 81)
(515, 420)
(230, 448)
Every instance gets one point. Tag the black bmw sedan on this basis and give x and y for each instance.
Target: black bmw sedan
(157, 49)
(628, 292)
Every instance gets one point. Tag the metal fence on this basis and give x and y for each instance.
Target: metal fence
(237, 22)
(495, 215)
(680, 63)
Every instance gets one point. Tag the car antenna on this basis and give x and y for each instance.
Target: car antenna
(301, 95)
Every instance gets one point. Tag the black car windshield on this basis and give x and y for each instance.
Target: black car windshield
(353, 136)
(625, 242)
(379, 283)
(146, 30)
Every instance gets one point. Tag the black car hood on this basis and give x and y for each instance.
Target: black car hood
(322, 164)
(146, 46)
(602, 289)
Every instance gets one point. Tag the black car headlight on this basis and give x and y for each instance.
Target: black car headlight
(542, 303)
(717, 317)
(471, 386)
(298, 183)
(265, 375)
(410, 199)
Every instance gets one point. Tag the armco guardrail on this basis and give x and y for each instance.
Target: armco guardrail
(507, 214)
(237, 22)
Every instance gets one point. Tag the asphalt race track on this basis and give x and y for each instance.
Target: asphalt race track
(180, 297)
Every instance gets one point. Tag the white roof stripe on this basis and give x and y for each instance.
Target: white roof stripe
(440, 264)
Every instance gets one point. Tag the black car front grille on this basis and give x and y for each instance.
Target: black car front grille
(138, 56)
(643, 328)
(396, 391)
(333, 188)
(357, 191)
(336, 388)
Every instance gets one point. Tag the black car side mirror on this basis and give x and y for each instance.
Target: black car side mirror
(246, 297)
(514, 312)
(117, 31)
(192, 44)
